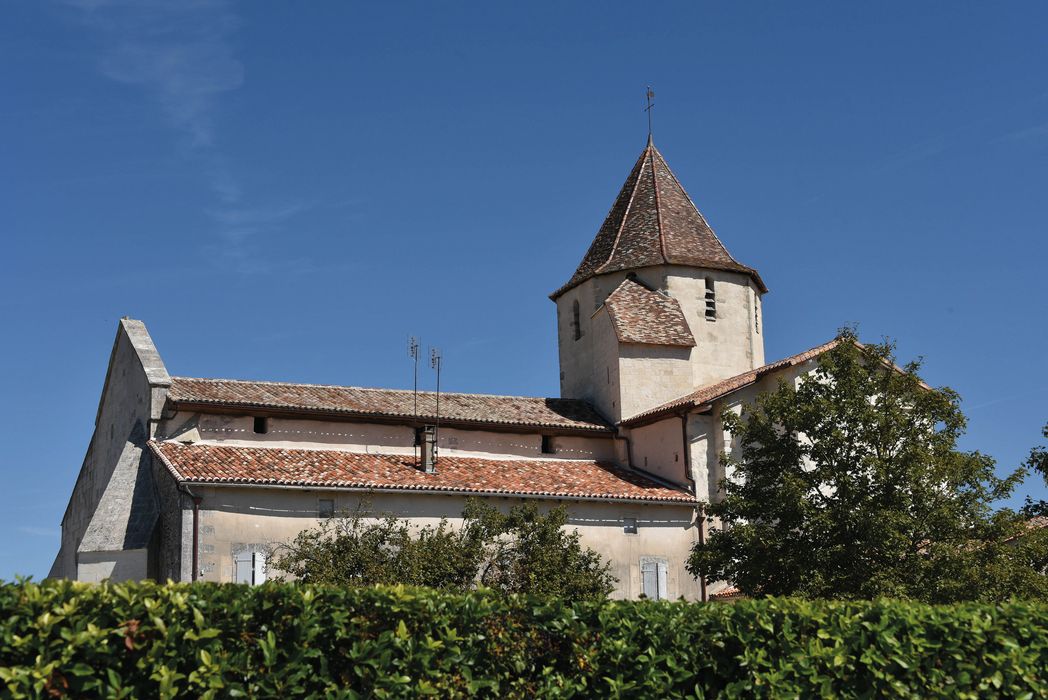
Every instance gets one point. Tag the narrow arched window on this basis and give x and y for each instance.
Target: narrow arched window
(576, 326)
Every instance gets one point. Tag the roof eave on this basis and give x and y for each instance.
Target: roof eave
(445, 492)
(227, 407)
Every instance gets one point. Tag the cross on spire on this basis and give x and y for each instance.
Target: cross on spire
(650, 94)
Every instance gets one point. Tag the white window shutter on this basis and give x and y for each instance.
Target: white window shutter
(242, 567)
(649, 575)
(258, 567)
(661, 570)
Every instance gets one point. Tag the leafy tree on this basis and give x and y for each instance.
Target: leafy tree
(532, 553)
(523, 551)
(1038, 463)
(850, 485)
(355, 551)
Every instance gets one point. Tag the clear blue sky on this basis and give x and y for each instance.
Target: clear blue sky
(285, 191)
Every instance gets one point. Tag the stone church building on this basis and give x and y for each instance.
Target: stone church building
(659, 331)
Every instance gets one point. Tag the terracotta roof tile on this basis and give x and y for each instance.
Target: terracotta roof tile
(712, 392)
(569, 414)
(652, 222)
(641, 315)
(557, 478)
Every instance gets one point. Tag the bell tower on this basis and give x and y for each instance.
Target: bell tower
(658, 307)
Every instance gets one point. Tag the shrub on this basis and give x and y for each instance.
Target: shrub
(286, 640)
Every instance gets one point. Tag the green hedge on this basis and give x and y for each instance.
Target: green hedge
(283, 640)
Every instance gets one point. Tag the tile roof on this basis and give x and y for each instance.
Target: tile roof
(567, 414)
(558, 478)
(652, 222)
(712, 392)
(641, 315)
(731, 593)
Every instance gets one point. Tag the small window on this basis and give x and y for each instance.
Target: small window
(629, 526)
(653, 579)
(250, 567)
(261, 425)
(326, 508)
(576, 326)
(547, 445)
(711, 300)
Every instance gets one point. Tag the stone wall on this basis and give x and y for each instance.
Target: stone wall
(112, 507)
(234, 518)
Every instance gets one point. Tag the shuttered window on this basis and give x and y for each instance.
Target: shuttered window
(250, 568)
(653, 578)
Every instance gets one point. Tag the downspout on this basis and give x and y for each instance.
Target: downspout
(629, 448)
(702, 540)
(196, 530)
(687, 447)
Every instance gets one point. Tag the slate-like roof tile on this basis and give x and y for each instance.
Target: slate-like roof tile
(556, 478)
(569, 414)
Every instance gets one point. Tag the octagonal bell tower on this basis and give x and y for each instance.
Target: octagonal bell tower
(658, 307)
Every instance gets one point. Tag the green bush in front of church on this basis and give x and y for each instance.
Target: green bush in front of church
(146, 640)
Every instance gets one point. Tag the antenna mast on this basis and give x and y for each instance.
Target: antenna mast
(413, 353)
(435, 362)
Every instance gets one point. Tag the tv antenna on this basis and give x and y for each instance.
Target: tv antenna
(413, 353)
(435, 361)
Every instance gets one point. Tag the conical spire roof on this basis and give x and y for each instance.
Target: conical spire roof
(654, 222)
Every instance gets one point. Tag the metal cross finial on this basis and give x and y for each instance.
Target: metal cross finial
(651, 96)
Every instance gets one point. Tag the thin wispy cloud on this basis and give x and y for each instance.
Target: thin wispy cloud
(1033, 133)
(182, 54)
(179, 51)
(52, 532)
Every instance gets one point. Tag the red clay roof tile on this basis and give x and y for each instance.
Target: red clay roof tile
(641, 315)
(556, 478)
(568, 414)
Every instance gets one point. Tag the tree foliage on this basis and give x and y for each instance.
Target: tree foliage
(523, 551)
(850, 485)
(1037, 462)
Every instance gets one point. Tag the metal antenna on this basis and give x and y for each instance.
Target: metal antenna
(435, 362)
(651, 96)
(413, 353)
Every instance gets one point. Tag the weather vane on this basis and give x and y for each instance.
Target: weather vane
(651, 97)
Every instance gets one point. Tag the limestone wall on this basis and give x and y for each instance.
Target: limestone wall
(235, 519)
(112, 507)
(377, 437)
(659, 448)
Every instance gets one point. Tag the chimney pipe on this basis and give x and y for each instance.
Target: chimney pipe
(429, 448)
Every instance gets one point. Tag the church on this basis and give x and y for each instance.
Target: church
(659, 332)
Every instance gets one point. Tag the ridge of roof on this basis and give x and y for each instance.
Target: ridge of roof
(642, 315)
(487, 409)
(209, 463)
(718, 390)
(653, 221)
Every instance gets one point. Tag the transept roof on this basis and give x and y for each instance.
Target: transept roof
(641, 315)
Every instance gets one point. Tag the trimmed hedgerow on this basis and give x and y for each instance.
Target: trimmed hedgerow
(288, 640)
